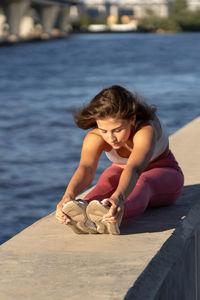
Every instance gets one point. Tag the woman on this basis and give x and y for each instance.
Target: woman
(144, 172)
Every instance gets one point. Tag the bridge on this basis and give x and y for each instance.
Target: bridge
(21, 15)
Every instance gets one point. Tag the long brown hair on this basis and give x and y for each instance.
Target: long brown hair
(114, 102)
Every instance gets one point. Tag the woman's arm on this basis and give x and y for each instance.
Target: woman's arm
(144, 143)
(92, 148)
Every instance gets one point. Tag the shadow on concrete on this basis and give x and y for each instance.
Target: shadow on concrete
(163, 218)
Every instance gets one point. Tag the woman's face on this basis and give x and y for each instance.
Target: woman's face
(115, 132)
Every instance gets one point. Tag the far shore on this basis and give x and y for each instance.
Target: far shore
(13, 40)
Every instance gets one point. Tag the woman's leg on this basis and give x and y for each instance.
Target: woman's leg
(106, 184)
(155, 187)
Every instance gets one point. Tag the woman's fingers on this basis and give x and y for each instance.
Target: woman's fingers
(112, 211)
(60, 216)
(110, 220)
(114, 214)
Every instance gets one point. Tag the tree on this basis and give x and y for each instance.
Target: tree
(178, 7)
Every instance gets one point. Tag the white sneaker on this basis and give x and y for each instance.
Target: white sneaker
(79, 222)
(95, 212)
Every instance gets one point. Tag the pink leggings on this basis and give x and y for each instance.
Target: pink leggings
(160, 184)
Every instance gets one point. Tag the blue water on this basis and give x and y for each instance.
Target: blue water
(41, 82)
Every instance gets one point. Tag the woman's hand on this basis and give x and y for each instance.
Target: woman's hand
(60, 215)
(115, 212)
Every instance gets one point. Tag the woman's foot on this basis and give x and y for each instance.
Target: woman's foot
(79, 222)
(95, 212)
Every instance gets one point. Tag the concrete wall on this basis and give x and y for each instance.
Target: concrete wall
(177, 265)
(181, 280)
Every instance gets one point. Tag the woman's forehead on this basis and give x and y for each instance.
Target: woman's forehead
(111, 122)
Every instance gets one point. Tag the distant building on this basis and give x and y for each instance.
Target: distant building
(193, 4)
(135, 8)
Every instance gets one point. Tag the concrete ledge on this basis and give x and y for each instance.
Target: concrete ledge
(155, 257)
(173, 271)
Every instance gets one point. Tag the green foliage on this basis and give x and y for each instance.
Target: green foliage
(180, 19)
(83, 20)
(153, 24)
(149, 12)
(190, 21)
(178, 7)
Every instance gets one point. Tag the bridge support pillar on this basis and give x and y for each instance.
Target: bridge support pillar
(2, 21)
(48, 16)
(27, 24)
(63, 19)
(14, 11)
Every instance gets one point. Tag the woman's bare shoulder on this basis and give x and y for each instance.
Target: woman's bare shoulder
(94, 131)
(145, 137)
(93, 136)
(150, 126)
(145, 129)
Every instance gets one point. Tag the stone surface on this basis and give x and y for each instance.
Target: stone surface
(48, 261)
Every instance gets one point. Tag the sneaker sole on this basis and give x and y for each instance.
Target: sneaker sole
(95, 212)
(78, 218)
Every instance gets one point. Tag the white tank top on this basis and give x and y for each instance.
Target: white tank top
(160, 146)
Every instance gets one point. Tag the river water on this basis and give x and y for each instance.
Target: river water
(41, 82)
